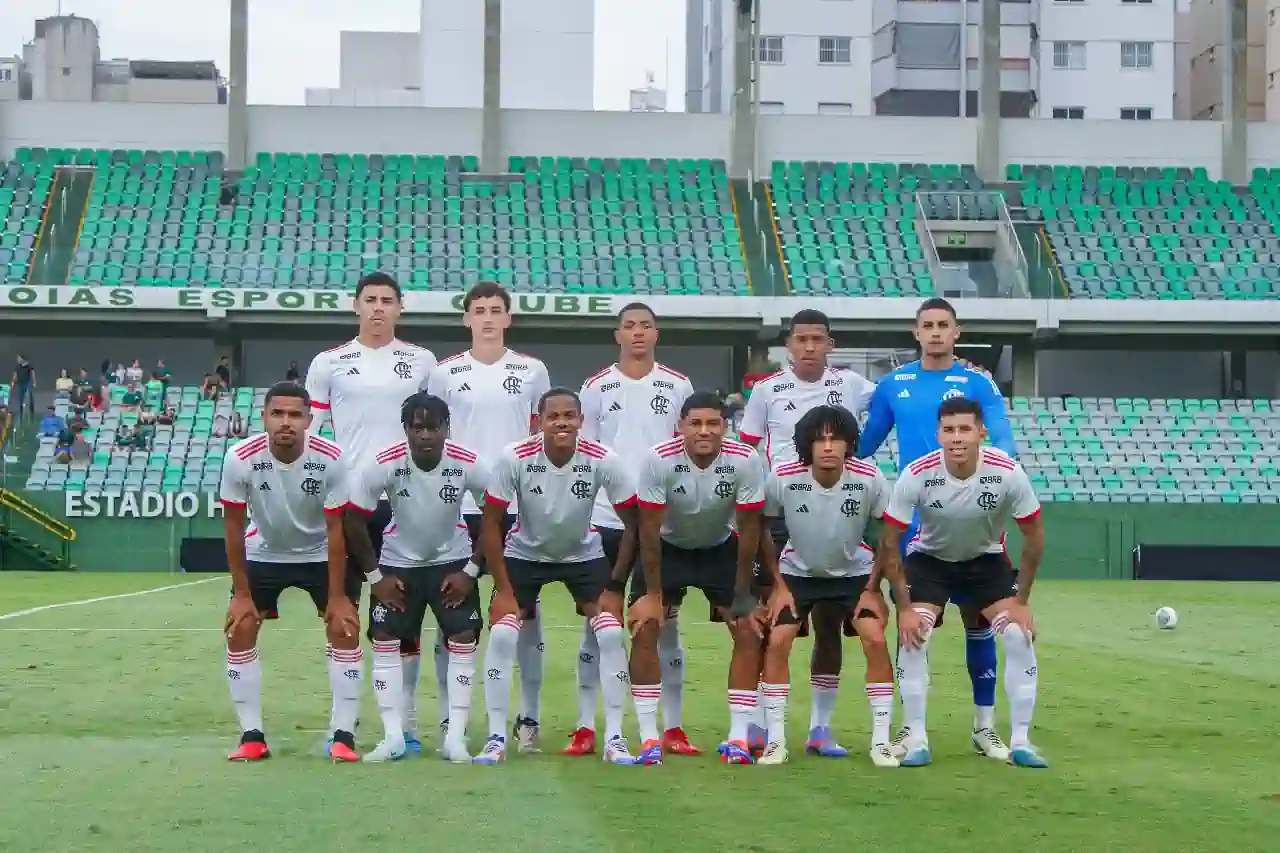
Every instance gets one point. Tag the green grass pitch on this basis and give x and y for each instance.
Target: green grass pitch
(115, 723)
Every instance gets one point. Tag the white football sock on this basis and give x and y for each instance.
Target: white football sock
(1019, 678)
(333, 704)
(646, 698)
(613, 672)
(775, 711)
(913, 681)
(244, 677)
(671, 653)
(440, 655)
(742, 713)
(461, 673)
(880, 698)
(529, 658)
(346, 672)
(588, 677)
(410, 669)
(825, 690)
(499, 657)
(388, 686)
(757, 715)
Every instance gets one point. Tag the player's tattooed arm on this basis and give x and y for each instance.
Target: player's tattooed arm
(1032, 553)
(627, 545)
(890, 562)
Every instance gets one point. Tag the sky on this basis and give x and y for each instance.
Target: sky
(293, 44)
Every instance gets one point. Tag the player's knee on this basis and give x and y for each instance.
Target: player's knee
(647, 636)
(464, 638)
(871, 635)
(503, 637)
(1012, 636)
(243, 637)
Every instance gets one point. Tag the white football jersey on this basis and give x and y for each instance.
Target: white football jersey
(490, 405)
(826, 526)
(962, 519)
(362, 389)
(287, 502)
(426, 506)
(701, 503)
(779, 401)
(553, 524)
(630, 416)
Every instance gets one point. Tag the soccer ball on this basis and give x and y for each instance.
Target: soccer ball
(1166, 618)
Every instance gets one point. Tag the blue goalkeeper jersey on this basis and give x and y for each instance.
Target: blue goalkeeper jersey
(908, 398)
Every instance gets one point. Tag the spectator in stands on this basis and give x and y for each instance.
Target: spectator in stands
(62, 451)
(79, 418)
(221, 425)
(147, 416)
(133, 373)
(293, 374)
(117, 374)
(210, 387)
(23, 395)
(64, 384)
(144, 434)
(99, 397)
(105, 374)
(132, 397)
(124, 436)
(239, 429)
(162, 373)
(223, 371)
(166, 416)
(83, 380)
(51, 424)
(758, 367)
(155, 391)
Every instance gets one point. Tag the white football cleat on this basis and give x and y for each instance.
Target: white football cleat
(616, 751)
(387, 750)
(455, 752)
(526, 736)
(774, 753)
(882, 756)
(987, 742)
(899, 744)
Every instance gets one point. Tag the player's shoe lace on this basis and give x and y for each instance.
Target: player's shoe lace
(525, 734)
(882, 756)
(650, 753)
(775, 753)
(616, 751)
(987, 742)
(899, 743)
(735, 752)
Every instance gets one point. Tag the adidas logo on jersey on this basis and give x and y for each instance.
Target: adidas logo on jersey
(355, 371)
(679, 490)
(936, 505)
(904, 394)
(536, 490)
(802, 508)
(403, 493)
(265, 487)
(465, 387)
(616, 407)
(790, 407)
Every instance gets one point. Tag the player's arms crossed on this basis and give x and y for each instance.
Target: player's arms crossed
(880, 421)
(234, 495)
(1025, 509)
(994, 413)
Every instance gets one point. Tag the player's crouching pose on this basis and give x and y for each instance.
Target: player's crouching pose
(426, 561)
(964, 494)
(826, 499)
(295, 488)
(556, 475)
(691, 489)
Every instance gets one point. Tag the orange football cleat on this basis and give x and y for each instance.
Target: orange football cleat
(250, 750)
(676, 742)
(339, 751)
(581, 742)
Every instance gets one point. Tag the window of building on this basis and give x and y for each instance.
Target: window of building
(834, 108)
(771, 108)
(835, 50)
(1135, 54)
(1068, 112)
(771, 50)
(6, 75)
(1068, 55)
(1135, 113)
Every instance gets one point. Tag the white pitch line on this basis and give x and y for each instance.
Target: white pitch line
(135, 594)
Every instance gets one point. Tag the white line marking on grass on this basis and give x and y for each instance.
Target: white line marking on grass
(135, 594)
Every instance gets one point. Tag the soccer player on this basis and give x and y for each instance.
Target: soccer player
(907, 399)
(295, 487)
(777, 403)
(426, 561)
(691, 491)
(964, 495)
(556, 475)
(826, 497)
(360, 386)
(493, 393)
(629, 407)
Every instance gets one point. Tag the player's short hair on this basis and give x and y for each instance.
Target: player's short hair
(286, 388)
(702, 400)
(936, 303)
(486, 290)
(835, 421)
(433, 411)
(637, 306)
(558, 392)
(809, 317)
(378, 279)
(961, 406)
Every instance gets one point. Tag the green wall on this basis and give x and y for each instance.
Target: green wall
(1084, 540)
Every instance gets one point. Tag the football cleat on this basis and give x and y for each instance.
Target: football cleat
(676, 742)
(581, 742)
(898, 746)
(918, 754)
(757, 739)
(735, 752)
(650, 753)
(412, 744)
(1027, 756)
(387, 750)
(882, 756)
(821, 742)
(775, 753)
(455, 752)
(987, 742)
(616, 751)
(252, 747)
(494, 752)
(525, 734)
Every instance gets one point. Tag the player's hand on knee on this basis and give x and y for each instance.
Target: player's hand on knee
(911, 628)
(455, 588)
(1020, 614)
(873, 600)
(781, 601)
(390, 592)
(645, 609)
(241, 614)
(503, 604)
(341, 618)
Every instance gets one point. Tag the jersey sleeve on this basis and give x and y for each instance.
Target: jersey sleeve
(773, 496)
(879, 421)
(750, 495)
(1024, 503)
(234, 489)
(318, 377)
(615, 480)
(755, 417)
(683, 392)
(476, 479)
(995, 414)
(651, 488)
(590, 397)
(431, 383)
(339, 494)
(880, 491)
(903, 500)
(541, 384)
(862, 390)
(365, 484)
(504, 481)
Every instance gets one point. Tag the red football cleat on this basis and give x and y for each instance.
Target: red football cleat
(253, 750)
(676, 742)
(581, 742)
(339, 751)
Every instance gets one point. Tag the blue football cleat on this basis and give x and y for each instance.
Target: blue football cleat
(822, 742)
(735, 752)
(917, 756)
(412, 745)
(494, 752)
(1027, 756)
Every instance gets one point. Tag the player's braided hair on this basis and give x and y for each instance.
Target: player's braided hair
(430, 409)
(835, 421)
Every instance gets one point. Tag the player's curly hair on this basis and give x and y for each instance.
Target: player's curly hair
(430, 409)
(835, 421)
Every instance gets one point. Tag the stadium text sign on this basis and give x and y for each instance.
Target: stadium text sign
(294, 301)
(142, 505)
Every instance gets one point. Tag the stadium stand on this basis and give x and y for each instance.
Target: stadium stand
(24, 187)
